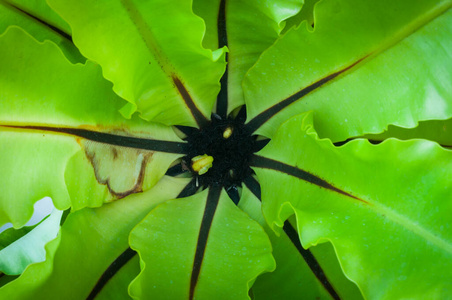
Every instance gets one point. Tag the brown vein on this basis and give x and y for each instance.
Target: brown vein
(267, 114)
(200, 119)
(147, 36)
(40, 21)
(267, 163)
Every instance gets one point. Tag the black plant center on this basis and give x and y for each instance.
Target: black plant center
(231, 153)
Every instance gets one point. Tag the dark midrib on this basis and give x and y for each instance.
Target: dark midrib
(154, 47)
(253, 185)
(112, 269)
(267, 163)
(222, 98)
(211, 206)
(113, 139)
(267, 114)
(188, 190)
(42, 22)
(186, 129)
(310, 260)
(200, 119)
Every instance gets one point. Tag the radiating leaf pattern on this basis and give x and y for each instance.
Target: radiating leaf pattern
(100, 100)
(360, 60)
(364, 211)
(203, 227)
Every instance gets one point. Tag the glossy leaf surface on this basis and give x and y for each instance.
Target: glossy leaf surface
(168, 64)
(359, 69)
(248, 29)
(382, 230)
(15, 257)
(79, 172)
(105, 229)
(237, 250)
(293, 278)
(266, 21)
(377, 215)
(38, 19)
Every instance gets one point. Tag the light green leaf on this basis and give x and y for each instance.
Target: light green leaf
(327, 258)
(30, 248)
(208, 11)
(250, 28)
(391, 236)
(151, 51)
(9, 284)
(90, 241)
(38, 19)
(43, 161)
(237, 250)
(117, 287)
(366, 65)
(293, 278)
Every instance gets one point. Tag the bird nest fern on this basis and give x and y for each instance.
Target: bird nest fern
(226, 149)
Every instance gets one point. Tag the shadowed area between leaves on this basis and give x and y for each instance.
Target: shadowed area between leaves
(189, 189)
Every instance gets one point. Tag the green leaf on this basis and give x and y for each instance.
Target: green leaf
(61, 135)
(174, 263)
(326, 256)
(37, 120)
(90, 241)
(266, 21)
(266, 18)
(155, 63)
(293, 276)
(15, 257)
(38, 19)
(359, 70)
(10, 235)
(392, 238)
(11, 285)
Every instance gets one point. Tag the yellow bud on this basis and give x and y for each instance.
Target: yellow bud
(227, 132)
(201, 163)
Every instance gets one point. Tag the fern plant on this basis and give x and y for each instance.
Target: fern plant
(226, 149)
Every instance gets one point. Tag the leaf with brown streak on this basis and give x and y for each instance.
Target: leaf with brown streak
(122, 169)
